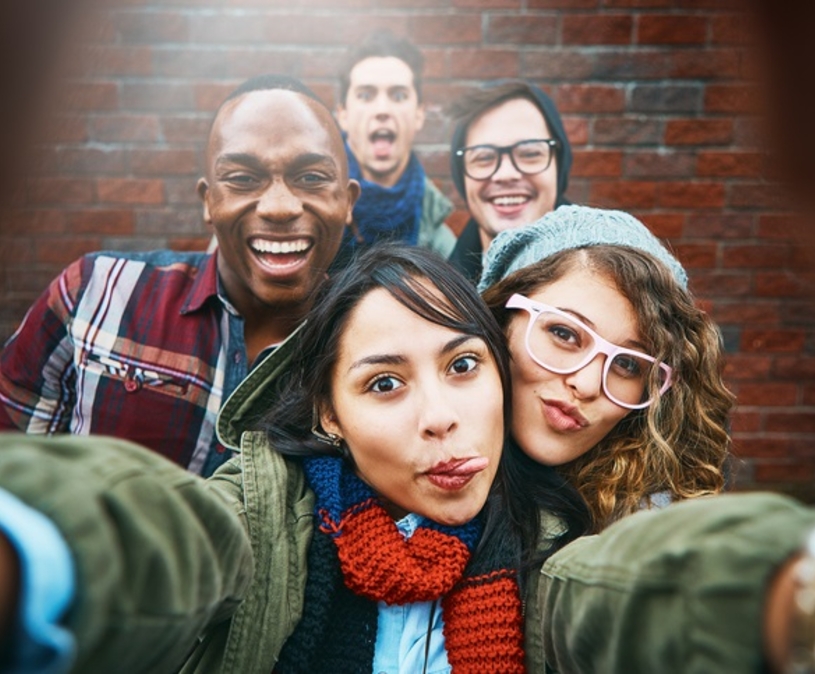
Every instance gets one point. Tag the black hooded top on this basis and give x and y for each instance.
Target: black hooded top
(467, 254)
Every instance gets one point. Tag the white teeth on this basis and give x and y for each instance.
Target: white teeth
(510, 201)
(280, 247)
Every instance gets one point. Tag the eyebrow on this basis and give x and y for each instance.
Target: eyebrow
(396, 359)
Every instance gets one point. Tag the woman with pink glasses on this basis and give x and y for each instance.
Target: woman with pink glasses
(616, 375)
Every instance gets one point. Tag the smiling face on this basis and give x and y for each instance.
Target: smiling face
(420, 407)
(509, 198)
(558, 417)
(381, 115)
(277, 194)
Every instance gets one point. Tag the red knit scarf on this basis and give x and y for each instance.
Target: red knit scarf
(483, 625)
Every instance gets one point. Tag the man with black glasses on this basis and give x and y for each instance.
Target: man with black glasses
(510, 161)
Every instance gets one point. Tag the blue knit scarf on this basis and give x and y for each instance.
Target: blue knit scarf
(387, 213)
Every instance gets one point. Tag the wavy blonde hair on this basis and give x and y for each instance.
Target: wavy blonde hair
(680, 443)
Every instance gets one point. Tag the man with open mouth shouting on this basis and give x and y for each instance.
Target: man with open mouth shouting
(381, 111)
(146, 346)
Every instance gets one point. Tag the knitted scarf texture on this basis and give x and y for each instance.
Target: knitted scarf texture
(358, 557)
(387, 213)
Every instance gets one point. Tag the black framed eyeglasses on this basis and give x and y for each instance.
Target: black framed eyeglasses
(529, 157)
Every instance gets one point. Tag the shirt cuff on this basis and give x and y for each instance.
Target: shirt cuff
(41, 645)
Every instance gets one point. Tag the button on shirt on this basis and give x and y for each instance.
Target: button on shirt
(401, 631)
(141, 346)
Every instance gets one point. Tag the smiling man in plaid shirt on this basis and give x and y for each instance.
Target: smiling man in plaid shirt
(146, 346)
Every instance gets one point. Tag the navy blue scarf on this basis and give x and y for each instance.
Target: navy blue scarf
(387, 213)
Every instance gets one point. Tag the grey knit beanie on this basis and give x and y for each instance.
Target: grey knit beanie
(571, 227)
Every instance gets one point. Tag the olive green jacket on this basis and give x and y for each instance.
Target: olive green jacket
(433, 232)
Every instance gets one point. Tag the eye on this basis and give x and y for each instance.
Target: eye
(628, 366)
(563, 333)
(464, 364)
(399, 96)
(242, 180)
(313, 178)
(365, 95)
(385, 384)
(483, 156)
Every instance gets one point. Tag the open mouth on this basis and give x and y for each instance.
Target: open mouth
(276, 254)
(510, 201)
(382, 142)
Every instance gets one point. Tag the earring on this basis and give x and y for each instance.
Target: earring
(320, 434)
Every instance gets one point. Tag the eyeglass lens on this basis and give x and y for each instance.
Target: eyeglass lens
(561, 344)
(528, 156)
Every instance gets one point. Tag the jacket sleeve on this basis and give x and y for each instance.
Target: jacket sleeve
(37, 376)
(674, 590)
(159, 554)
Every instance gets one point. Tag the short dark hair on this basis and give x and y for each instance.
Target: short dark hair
(382, 43)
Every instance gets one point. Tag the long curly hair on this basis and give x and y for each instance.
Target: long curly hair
(679, 444)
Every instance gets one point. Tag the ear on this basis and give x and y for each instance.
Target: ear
(354, 190)
(342, 116)
(328, 421)
(420, 116)
(203, 189)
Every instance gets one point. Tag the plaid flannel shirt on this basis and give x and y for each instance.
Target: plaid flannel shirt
(141, 346)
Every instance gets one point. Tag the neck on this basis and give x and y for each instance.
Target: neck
(486, 239)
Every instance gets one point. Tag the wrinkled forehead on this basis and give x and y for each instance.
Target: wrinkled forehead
(263, 120)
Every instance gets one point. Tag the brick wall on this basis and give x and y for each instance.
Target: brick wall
(656, 99)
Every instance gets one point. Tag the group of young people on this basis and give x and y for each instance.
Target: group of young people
(419, 476)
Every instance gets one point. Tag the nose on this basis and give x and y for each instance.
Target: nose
(381, 106)
(438, 416)
(587, 382)
(506, 170)
(278, 203)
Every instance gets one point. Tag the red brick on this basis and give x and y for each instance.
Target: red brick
(65, 250)
(115, 60)
(721, 284)
(185, 129)
(188, 243)
(64, 129)
(624, 194)
(562, 4)
(597, 29)
(90, 96)
(157, 96)
(556, 64)
(664, 225)
(756, 195)
(759, 447)
(705, 63)
(745, 422)
(808, 397)
(696, 255)
(791, 422)
(208, 97)
(484, 63)
(21, 251)
(720, 225)
(768, 394)
(60, 190)
(698, 131)
(628, 64)
(690, 195)
(152, 27)
(754, 255)
(124, 128)
(164, 162)
(251, 28)
(577, 130)
(90, 160)
(181, 192)
(731, 29)
(785, 472)
(773, 341)
(642, 164)
(744, 367)
(41, 221)
(130, 191)
(794, 367)
(729, 164)
(643, 4)
(779, 284)
(671, 29)
(108, 222)
(782, 225)
(189, 61)
(597, 163)
(487, 4)
(733, 98)
(752, 312)
(626, 131)
(590, 98)
(521, 30)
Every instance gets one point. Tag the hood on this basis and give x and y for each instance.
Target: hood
(553, 121)
(254, 395)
